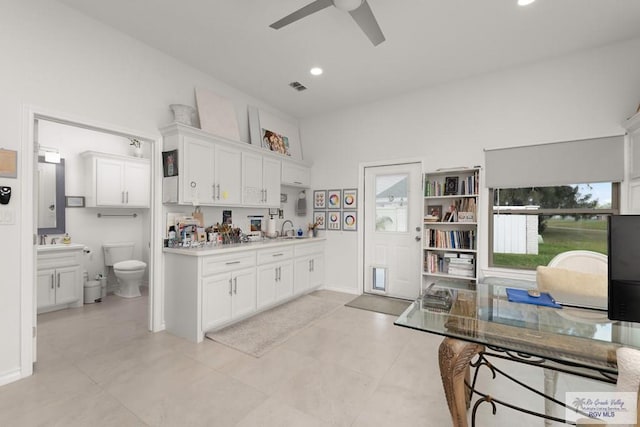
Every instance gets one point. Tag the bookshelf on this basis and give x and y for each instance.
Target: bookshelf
(450, 227)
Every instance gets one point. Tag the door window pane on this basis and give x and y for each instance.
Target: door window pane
(392, 203)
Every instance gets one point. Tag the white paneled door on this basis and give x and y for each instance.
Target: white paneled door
(392, 229)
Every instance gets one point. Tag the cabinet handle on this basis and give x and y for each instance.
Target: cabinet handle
(280, 254)
(213, 191)
(127, 197)
(52, 282)
(235, 285)
(218, 187)
(58, 280)
(297, 182)
(313, 265)
(310, 268)
(276, 273)
(123, 197)
(266, 195)
(279, 273)
(232, 262)
(230, 287)
(192, 184)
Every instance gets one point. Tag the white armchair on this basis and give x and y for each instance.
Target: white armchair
(581, 272)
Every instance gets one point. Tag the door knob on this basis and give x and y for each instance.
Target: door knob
(418, 238)
(418, 228)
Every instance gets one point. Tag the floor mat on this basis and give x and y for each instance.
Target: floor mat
(259, 334)
(380, 304)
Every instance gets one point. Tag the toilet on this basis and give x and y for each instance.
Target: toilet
(128, 271)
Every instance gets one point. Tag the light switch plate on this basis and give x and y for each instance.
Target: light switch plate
(7, 216)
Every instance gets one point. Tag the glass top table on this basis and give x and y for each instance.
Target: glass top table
(571, 336)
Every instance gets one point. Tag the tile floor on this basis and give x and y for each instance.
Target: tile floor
(98, 366)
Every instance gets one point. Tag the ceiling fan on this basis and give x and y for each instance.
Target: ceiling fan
(358, 9)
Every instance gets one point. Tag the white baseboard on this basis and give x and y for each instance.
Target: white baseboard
(10, 376)
(337, 289)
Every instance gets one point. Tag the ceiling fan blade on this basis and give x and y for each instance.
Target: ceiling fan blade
(367, 22)
(301, 13)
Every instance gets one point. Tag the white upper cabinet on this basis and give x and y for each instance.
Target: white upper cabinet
(295, 175)
(197, 171)
(215, 171)
(116, 181)
(228, 176)
(260, 180)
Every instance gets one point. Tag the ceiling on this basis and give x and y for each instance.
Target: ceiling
(428, 42)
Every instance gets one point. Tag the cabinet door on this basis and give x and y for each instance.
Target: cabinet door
(284, 285)
(244, 292)
(68, 282)
(266, 288)
(46, 292)
(316, 275)
(302, 269)
(295, 175)
(271, 169)
(252, 189)
(216, 300)
(228, 180)
(136, 180)
(109, 184)
(197, 185)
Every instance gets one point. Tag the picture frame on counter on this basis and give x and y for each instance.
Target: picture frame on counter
(350, 198)
(334, 221)
(320, 199)
(334, 199)
(349, 220)
(320, 219)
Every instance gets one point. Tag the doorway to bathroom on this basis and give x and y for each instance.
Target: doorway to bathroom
(89, 228)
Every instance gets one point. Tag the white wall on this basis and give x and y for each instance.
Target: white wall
(59, 60)
(585, 95)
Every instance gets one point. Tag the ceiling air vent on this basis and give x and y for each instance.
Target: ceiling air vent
(298, 86)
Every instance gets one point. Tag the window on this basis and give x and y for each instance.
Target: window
(392, 203)
(529, 226)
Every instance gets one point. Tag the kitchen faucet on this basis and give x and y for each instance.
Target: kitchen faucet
(53, 241)
(43, 239)
(283, 224)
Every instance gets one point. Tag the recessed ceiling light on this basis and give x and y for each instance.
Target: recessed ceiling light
(316, 71)
(525, 2)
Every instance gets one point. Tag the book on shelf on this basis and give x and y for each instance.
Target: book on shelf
(450, 239)
(467, 185)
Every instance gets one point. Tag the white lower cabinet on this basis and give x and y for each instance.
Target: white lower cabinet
(309, 267)
(59, 278)
(275, 275)
(228, 296)
(207, 290)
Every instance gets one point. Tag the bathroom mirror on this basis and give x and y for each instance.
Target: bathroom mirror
(51, 209)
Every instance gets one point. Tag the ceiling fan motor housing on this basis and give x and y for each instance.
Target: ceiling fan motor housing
(347, 5)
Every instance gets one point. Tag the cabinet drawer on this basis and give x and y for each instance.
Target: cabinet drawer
(224, 263)
(309, 248)
(62, 259)
(274, 255)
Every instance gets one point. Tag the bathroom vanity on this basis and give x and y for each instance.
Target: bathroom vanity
(59, 282)
(209, 288)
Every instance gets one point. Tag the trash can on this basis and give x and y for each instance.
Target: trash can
(92, 291)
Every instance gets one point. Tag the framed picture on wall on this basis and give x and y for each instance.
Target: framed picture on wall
(333, 221)
(349, 221)
(334, 199)
(320, 219)
(350, 198)
(320, 199)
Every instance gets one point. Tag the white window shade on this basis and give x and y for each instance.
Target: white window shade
(560, 163)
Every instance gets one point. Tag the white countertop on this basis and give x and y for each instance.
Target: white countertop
(238, 247)
(60, 247)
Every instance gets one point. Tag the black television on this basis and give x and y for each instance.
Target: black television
(623, 240)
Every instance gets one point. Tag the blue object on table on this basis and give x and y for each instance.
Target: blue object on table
(522, 296)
